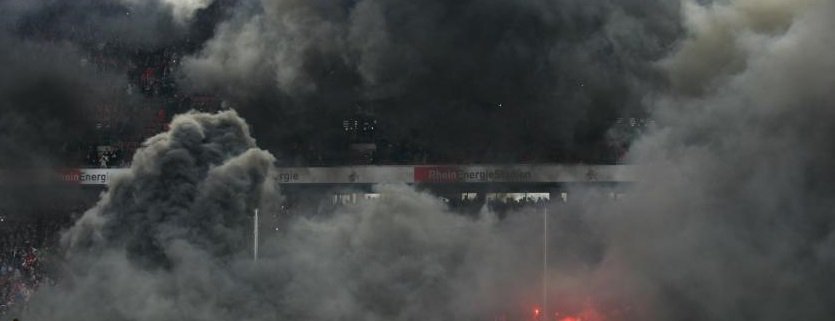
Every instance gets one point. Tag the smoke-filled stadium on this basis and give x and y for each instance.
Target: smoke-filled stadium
(459, 160)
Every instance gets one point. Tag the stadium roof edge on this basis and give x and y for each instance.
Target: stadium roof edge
(415, 174)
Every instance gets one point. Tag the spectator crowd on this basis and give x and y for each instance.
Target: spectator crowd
(27, 256)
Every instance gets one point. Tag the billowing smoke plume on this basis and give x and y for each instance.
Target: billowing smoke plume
(169, 242)
(734, 220)
(724, 38)
(196, 182)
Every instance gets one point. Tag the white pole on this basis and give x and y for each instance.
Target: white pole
(545, 264)
(255, 236)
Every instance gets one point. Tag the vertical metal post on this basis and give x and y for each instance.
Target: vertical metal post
(545, 264)
(255, 236)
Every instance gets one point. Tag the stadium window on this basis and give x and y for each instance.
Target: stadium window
(468, 196)
(538, 196)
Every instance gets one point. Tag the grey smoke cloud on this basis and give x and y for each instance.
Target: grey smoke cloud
(181, 10)
(724, 38)
(734, 221)
(169, 242)
(206, 163)
(732, 218)
(133, 24)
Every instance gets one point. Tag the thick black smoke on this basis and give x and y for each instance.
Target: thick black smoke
(464, 81)
(46, 99)
(54, 82)
(44, 95)
(51, 74)
(497, 80)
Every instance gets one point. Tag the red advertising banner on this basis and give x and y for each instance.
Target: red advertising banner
(436, 174)
(471, 174)
(71, 175)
